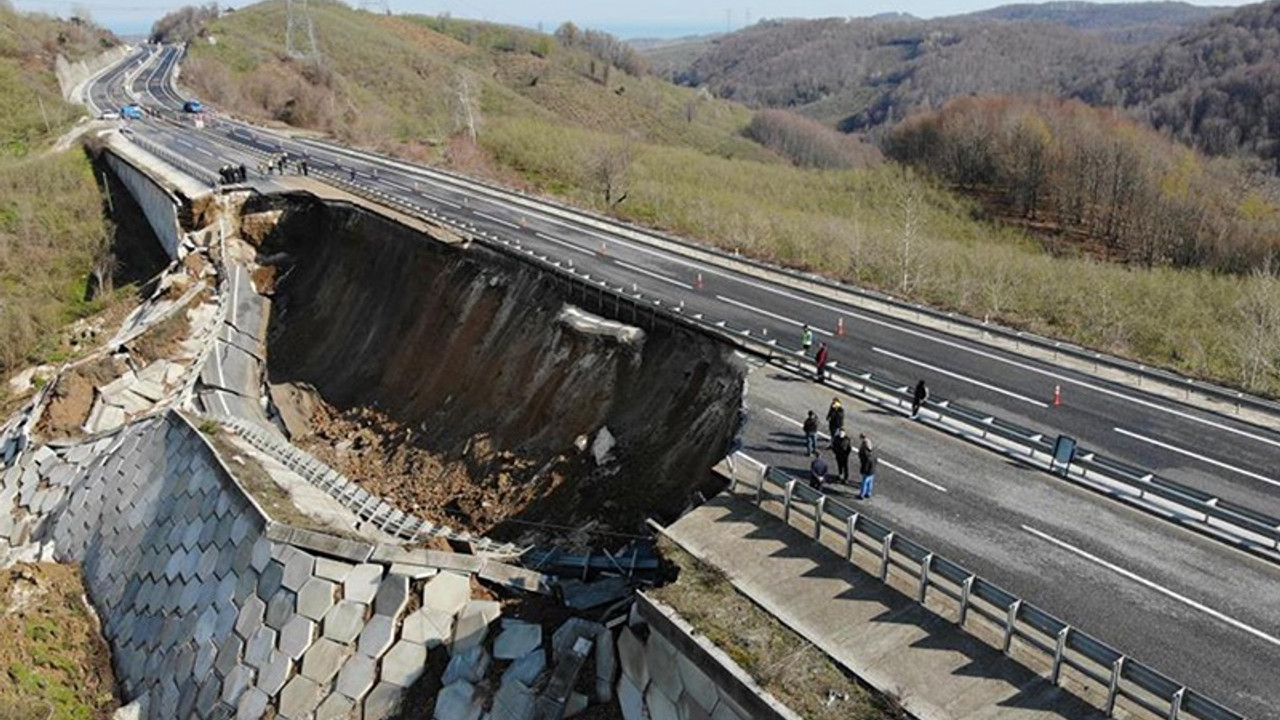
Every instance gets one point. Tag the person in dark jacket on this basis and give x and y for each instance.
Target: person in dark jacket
(811, 434)
(835, 417)
(821, 361)
(918, 397)
(866, 466)
(842, 445)
(817, 471)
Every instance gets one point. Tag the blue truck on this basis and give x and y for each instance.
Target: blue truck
(131, 112)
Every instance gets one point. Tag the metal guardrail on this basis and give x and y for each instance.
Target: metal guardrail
(1237, 397)
(193, 169)
(367, 506)
(1062, 644)
(1206, 507)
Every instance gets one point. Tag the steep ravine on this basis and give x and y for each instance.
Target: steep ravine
(459, 383)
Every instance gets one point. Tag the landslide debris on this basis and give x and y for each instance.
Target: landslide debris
(461, 385)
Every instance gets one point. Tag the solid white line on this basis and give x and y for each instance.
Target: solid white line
(441, 200)
(498, 220)
(1201, 458)
(654, 275)
(568, 245)
(397, 185)
(775, 316)
(958, 376)
(1158, 588)
(884, 462)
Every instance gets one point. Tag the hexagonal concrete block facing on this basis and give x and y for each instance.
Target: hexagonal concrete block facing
(334, 570)
(362, 583)
(297, 570)
(259, 646)
(393, 595)
(323, 659)
(299, 698)
(427, 627)
(383, 701)
(315, 597)
(403, 664)
(296, 636)
(377, 636)
(357, 676)
(280, 608)
(235, 683)
(447, 592)
(335, 707)
(344, 621)
(271, 676)
(253, 704)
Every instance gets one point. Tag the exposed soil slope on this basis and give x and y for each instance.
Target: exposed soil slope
(454, 380)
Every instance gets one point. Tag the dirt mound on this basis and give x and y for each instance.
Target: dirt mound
(458, 381)
(56, 661)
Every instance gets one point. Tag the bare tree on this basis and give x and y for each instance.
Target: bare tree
(104, 265)
(1258, 343)
(466, 105)
(610, 169)
(910, 211)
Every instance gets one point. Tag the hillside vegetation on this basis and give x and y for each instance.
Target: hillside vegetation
(51, 219)
(863, 73)
(1216, 87)
(507, 103)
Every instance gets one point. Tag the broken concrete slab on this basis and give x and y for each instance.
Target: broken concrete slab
(472, 624)
(606, 666)
(427, 627)
(635, 664)
(458, 701)
(471, 665)
(567, 635)
(447, 592)
(527, 668)
(513, 701)
(516, 639)
(582, 596)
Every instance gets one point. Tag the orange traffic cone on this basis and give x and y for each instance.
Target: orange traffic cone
(1057, 395)
(839, 326)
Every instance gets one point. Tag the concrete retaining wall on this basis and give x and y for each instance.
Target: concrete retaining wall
(672, 674)
(205, 614)
(160, 207)
(72, 75)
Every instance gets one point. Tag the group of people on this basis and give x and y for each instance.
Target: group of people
(842, 447)
(233, 174)
(279, 163)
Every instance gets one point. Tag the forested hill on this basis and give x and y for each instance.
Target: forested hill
(1216, 86)
(861, 73)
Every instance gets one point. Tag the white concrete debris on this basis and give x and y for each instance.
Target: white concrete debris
(602, 448)
(585, 322)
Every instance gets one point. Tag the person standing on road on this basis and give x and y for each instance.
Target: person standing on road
(811, 434)
(821, 361)
(866, 466)
(817, 471)
(835, 416)
(842, 444)
(806, 338)
(918, 397)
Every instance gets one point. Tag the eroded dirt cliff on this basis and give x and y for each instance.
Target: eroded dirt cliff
(459, 383)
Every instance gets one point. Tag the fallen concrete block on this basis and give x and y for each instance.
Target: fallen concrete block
(458, 701)
(582, 596)
(516, 639)
(447, 592)
(471, 666)
(472, 624)
(527, 668)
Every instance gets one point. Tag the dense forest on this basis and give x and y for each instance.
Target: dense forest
(1117, 187)
(857, 74)
(1215, 87)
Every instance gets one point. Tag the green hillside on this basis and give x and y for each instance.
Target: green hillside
(51, 216)
(546, 114)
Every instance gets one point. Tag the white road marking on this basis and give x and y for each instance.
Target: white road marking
(775, 316)
(884, 462)
(960, 377)
(654, 275)
(568, 245)
(498, 220)
(400, 186)
(1153, 586)
(1199, 457)
(441, 201)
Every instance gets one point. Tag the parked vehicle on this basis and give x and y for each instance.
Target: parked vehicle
(192, 106)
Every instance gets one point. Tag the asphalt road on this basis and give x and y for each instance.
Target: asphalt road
(1205, 614)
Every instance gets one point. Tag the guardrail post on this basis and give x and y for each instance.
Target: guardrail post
(884, 557)
(1175, 703)
(1058, 650)
(1010, 621)
(849, 530)
(786, 504)
(1116, 668)
(818, 508)
(924, 578)
(760, 486)
(965, 591)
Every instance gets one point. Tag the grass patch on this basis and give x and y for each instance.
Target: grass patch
(54, 662)
(798, 674)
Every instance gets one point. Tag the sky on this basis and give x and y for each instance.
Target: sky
(653, 18)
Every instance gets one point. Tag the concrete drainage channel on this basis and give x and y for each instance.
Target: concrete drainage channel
(236, 576)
